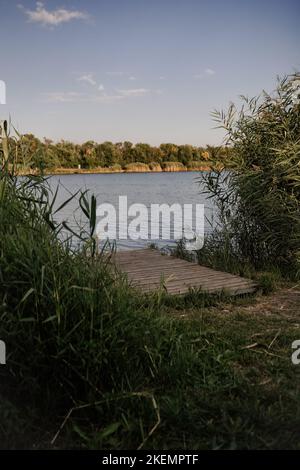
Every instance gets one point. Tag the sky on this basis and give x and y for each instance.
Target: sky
(137, 70)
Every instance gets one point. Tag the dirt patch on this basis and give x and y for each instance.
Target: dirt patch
(283, 303)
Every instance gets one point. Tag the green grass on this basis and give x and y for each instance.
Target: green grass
(93, 364)
(156, 371)
(221, 377)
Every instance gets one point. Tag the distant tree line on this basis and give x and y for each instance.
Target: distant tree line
(47, 154)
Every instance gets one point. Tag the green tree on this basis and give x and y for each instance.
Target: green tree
(169, 152)
(185, 154)
(88, 156)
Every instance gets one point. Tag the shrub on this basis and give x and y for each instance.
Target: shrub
(154, 166)
(197, 165)
(116, 167)
(259, 200)
(137, 167)
(173, 166)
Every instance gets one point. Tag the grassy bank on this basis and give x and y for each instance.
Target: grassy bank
(222, 380)
(118, 370)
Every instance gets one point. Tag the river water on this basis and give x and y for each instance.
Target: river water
(143, 188)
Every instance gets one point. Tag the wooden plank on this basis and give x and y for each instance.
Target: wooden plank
(146, 269)
(194, 283)
(186, 279)
(182, 273)
(185, 289)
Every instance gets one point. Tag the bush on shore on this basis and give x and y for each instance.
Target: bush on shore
(155, 166)
(259, 199)
(173, 166)
(136, 167)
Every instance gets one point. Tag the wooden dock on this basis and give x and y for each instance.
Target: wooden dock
(148, 269)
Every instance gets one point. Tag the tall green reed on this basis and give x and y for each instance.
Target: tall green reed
(259, 198)
(76, 334)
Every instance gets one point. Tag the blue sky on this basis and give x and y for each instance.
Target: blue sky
(144, 71)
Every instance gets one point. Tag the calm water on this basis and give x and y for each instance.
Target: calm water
(145, 188)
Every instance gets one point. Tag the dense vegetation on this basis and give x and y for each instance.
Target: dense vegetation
(93, 364)
(259, 200)
(48, 155)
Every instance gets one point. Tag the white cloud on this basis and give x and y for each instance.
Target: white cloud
(88, 78)
(116, 74)
(134, 92)
(63, 97)
(162, 77)
(74, 97)
(104, 98)
(54, 17)
(119, 73)
(207, 73)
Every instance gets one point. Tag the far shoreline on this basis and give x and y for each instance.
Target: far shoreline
(108, 171)
(95, 171)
